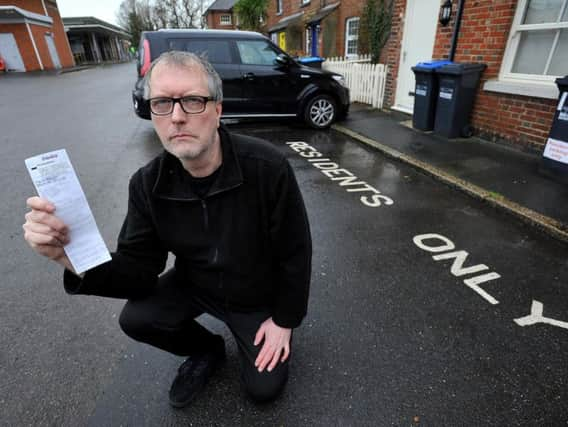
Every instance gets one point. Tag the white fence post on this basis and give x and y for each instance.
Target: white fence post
(366, 81)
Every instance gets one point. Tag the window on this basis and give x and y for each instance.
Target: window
(216, 51)
(351, 37)
(537, 49)
(278, 7)
(225, 19)
(304, 2)
(256, 52)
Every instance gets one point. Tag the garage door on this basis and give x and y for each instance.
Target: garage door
(53, 51)
(10, 52)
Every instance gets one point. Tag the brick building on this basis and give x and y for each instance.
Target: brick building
(523, 42)
(315, 27)
(32, 36)
(220, 15)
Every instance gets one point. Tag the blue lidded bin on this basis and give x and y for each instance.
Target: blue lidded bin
(426, 93)
(311, 61)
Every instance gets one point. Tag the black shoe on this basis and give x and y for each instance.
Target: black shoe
(194, 373)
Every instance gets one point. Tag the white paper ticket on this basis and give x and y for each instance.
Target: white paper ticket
(55, 180)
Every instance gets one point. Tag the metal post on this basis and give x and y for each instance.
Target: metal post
(457, 25)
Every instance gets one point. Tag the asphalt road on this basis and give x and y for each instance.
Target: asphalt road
(412, 308)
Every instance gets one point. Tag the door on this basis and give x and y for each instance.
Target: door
(52, 51)
(10, 52)
(315, 39)
(269, 87)
(282, 40)
(420, 23)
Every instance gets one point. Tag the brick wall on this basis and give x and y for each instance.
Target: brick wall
(25, 45)
(34, 6)
(331, 26)
(60, 37)
(214, 20)
(348, 9)
(38, 32)
(484, 31)
(390, 55)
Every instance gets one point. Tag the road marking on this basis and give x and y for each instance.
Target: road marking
(459, 257)
(537, 317)
(346, 179)
(473, 283)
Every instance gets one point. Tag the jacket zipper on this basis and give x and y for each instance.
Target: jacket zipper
(215, 254)
(205, 214)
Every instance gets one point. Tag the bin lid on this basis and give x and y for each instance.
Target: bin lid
(430, 66)
(434, 64)
(461, 68)
(562, 81)
(307, 59)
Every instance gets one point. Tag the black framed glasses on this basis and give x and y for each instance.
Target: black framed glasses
(193, 104)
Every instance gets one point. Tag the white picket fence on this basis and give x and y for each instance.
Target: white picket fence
(366, 81)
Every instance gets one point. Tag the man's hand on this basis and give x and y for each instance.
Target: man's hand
(276, 345)
(46, 233)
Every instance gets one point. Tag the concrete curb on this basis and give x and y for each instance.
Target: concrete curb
(550, 226)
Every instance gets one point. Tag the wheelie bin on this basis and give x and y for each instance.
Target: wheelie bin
(456, 94)
(426, 93)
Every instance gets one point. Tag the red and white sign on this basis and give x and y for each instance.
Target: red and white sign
(556, 150)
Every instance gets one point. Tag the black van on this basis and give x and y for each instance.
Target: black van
(259, 79)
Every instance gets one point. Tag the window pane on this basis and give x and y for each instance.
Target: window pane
(352, 47)
(353, 27)
(256, 53)
(532, 53)
(559, 63)
(565, 14)
(540, 11)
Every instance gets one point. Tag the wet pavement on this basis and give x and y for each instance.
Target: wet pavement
(506, 176)
(412, 306)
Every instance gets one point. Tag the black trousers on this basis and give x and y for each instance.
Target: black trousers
(166, 319)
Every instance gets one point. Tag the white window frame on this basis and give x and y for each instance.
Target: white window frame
(348, 37)
(513, 44)
(226, 15)
(279, 7)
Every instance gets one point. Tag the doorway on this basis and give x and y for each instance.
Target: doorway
(420, 23)
(52, 51)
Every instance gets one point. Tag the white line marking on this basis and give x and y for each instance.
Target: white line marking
(475, 281)
(537, 317)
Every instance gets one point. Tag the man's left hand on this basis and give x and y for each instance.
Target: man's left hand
(276, 345)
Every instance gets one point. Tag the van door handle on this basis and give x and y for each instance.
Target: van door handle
(248, 76)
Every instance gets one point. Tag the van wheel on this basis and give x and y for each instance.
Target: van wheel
(320, 111)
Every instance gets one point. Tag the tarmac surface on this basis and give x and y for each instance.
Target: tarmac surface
(504, 176)
(398, 333)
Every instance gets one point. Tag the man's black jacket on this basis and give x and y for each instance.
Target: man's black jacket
(246, 243)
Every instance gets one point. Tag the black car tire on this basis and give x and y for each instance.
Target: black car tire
(320, 111)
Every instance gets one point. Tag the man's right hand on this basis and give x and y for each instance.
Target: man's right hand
(46, 233)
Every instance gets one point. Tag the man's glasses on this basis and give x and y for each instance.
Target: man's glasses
(162, 106)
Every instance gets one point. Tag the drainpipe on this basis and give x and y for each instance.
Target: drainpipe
(454, 44)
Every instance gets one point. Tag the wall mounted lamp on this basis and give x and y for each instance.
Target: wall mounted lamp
(445, 13)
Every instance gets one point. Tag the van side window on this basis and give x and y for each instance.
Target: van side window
(256, 52)
(215, 51)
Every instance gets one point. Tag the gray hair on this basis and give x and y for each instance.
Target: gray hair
(180, 58)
